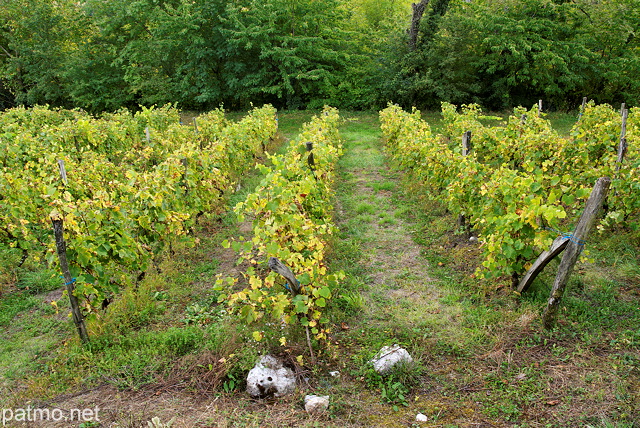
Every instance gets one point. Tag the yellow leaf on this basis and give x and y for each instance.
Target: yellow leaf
(257, 336)
(255, 282)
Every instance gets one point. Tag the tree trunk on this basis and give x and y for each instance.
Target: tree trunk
(418, 11)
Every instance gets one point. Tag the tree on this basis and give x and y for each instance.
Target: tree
(38, 37)
(515, 52)
(290, 51)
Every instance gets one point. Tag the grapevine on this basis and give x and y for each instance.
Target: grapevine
(522, 182)
(127, 197)
(291, 213)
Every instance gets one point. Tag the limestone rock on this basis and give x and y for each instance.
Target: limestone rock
(421, 418)
(315, 404)
(388, 357)
(270, 378)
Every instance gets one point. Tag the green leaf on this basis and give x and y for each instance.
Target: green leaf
(304, 279)
(325, 292)
(301, 307)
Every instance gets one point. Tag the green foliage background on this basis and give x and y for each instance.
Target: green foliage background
(103, 55)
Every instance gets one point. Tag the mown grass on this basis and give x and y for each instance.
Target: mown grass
(482, 356)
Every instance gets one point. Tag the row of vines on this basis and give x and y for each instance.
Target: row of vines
(522, 183)
(291, 213)
(127, 185)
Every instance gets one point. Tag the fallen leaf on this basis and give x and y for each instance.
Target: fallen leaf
(553, 402)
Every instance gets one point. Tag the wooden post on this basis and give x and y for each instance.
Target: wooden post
(63, 171)
(278, 267)
(310, 159)
(466, 149)
(294, 287)
(185, 163)
(622, 146)
(466, 143)
(147, 135)
(61, 247)
(582, 107)
(195, 125)
(574, 248)
(558, 245)
(539, 107)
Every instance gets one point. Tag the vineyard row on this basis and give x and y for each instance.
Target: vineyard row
(519, 185)
(291, 213)
(132, 184)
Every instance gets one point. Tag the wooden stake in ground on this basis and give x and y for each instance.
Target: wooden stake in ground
(61, 247)
(622, 146)
(278, 267)
(582, 107)
(574, 248)
(310, 159)
(539, 107)
(558, 245)
(466, 149)
(294, 287)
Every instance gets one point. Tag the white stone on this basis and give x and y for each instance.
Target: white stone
(316, 404)
(270, 377)
(421, 418)
(334, 374)
(473, 239)
(388, 357)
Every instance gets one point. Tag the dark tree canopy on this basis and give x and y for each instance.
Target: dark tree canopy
(356, 54)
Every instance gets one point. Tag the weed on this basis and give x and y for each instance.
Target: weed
(156, 423)
(394, 393)
(13, 304)
(9, 259)
(352, 302)
(39, 281)
(181, 341)
(201, 315)
(230, 384)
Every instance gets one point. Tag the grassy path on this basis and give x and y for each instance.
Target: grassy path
(372, 213)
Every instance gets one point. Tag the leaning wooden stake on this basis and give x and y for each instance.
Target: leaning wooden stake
(294, 287)
(61, 247)
(574, 248)
(558, 245)
(279, 267)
